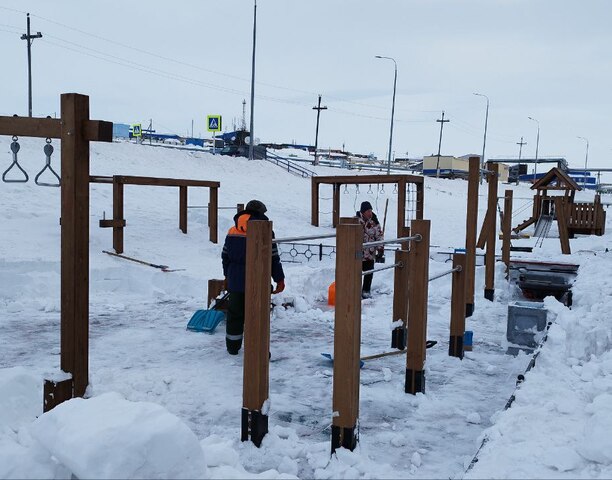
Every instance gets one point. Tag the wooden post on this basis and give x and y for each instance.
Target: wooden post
(470, 233)
(420, 205)
(457, 321)
(507, 228)
(347, 334)
(118, 215)
(74, 357)
(56, 392)
(314, 202)
(417, 311)
(239, 207)
(256, 331)
(215, 287)
(183, 209)
(400, 299)
(492, 178)
(336, 205)
(562, 223)
(213, 214)
(401, 207)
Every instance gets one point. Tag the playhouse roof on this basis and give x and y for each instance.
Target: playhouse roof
(555, 179)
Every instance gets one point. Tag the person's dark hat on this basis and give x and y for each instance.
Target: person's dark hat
(365, 206)
(256, 206)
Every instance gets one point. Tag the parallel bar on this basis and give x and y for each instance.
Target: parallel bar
(362, 179)
(347, 335)
(100, 179)
(256, 331)
(415, 238)
(295, 239)
(443, 274)
(367, 272)
(457, 320)
(417, 312)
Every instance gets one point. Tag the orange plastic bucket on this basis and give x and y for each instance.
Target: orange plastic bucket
(331, 294)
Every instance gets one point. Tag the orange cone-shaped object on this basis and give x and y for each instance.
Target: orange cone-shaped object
(331, 294)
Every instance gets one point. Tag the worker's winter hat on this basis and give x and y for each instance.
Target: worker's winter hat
(256, 206)
(365, 206)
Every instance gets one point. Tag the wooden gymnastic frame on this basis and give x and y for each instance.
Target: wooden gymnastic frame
(338, 181)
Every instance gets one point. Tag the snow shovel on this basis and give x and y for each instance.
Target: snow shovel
(207, 320)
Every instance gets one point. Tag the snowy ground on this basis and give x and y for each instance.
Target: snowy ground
(165, 403)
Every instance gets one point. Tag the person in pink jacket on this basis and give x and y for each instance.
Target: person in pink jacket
(372, 232)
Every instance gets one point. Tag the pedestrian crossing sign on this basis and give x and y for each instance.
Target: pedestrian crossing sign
(137, 130)
(214, 123)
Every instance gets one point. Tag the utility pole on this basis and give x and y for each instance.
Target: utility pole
(29, 38)
(521, 143)
(251, 132)
(243, 126)
(441, 122)
(151, 131)
(318, 108)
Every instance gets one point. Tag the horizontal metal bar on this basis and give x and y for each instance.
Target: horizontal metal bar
(294, 239)
(206, 206)
(367, 272)
(440, 275)
(416, 238)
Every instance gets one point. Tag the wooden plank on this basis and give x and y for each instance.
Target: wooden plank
(31, 127)
(98, 131)
(362, 179)
(75, 241)
(100, 179)
(470, 232)
(257, 314)
(213, 215)
(507, 227)
(347, 332)
(56, 392)
(118, 217)
(457, 320)
(562, 222)
(314, 202)
(215, 287)
(183, 209)
(493, 180)
(486, 225)
(166, 182)
(400, 298)
(107, 223)
(417, 312)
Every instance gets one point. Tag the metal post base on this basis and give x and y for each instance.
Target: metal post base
(343, 437)
(488, 293)
(415, 381)
(254, 425)
(469, 309)
(398, 338)
(455, 347)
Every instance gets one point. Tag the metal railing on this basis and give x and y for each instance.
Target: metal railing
(289, 165)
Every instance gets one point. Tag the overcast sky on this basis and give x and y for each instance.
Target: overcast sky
(179, 61)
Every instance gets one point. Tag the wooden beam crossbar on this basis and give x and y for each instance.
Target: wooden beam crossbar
(89, 130)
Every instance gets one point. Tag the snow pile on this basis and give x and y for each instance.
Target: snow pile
(560, 422)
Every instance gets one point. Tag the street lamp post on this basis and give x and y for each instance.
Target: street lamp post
(586, 159)
(484, 141)
(535, 168)
(392, 111)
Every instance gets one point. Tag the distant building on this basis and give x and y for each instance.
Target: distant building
(455, 167)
